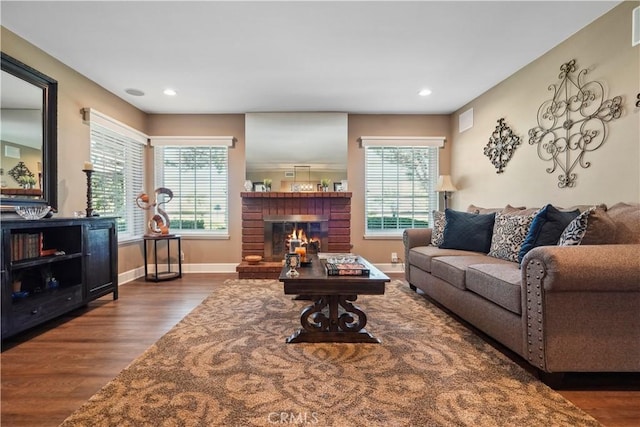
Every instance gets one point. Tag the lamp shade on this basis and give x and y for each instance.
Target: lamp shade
(445, 184)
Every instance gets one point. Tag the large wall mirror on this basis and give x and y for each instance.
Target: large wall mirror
(278, 144)
(28, 136)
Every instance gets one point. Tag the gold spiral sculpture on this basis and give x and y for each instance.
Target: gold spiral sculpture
(159, 223)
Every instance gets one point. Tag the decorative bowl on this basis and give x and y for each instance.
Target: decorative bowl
(32, 212)
(253, 259)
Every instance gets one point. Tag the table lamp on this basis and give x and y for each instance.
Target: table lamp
(445, 186)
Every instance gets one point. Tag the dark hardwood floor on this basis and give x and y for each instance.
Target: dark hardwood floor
(50, 371)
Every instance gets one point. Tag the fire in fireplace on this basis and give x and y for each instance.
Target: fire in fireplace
(283, 231)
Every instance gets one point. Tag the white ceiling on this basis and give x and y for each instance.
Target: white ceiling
(353, 56)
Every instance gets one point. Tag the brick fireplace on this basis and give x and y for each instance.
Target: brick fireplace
(335, 207)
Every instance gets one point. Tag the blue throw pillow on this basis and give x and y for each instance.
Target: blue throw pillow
(468, 231)
(546, 228)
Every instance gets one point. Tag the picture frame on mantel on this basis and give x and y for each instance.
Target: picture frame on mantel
(259, 187)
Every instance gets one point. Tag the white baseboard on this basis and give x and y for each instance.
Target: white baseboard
(130, 275)
(136, 273)
(397, 267)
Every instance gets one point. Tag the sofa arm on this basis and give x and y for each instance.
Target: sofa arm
(591, 268)
(580, 308)
(413, 237)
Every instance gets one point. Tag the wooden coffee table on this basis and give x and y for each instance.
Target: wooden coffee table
(333, 317)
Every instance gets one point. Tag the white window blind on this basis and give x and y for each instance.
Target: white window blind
(198, 177)
(118, 176)
(400, 188)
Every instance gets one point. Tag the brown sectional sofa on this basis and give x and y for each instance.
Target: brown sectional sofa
(564, 309)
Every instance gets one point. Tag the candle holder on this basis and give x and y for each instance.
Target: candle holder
(292, 261)
(89, 172)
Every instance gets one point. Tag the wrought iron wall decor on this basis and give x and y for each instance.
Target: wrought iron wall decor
(638, 101)
(501, 146)
(573, 122)
(22, 175)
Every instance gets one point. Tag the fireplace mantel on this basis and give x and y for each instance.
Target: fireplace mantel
(335, 205)
(294, 195)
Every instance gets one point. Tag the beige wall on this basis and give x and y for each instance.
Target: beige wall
(74, 93)
(208, 251)
(376, 250)
(604, 47)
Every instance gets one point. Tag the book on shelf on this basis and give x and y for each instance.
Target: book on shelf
(346, 269)
(28, 245)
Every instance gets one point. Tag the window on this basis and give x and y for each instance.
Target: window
(198, 177)
(118, 172)
(400, 186)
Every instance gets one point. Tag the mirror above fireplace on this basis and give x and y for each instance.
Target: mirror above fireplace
(279, 141)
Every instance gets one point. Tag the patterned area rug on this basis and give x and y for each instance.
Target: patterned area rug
(227, 364)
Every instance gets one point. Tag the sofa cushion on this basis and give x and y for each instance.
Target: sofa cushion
(592, 227)
(507, 209)
(627, 220)
(574, 232)
(601, 230)
(422, 256)
(497, 282)
(467, 231)
(437, 233)
(452, 269)
(509, 232)
(546, 228)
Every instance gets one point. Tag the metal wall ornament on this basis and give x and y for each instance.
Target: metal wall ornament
(573, 122)
(501, 146)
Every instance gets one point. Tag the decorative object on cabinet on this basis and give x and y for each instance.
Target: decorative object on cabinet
(88, 170)
(159, 223)
(573, 122)
(501, 146)
(54, 266)
(445, 186)
(32, 212)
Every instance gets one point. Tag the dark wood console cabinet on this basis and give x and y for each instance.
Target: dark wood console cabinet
(52, 266)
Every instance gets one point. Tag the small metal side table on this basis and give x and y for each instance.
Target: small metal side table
(156, 275)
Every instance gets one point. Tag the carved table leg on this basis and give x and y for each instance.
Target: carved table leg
(333, 318)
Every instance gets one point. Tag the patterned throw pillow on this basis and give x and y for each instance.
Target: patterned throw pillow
(509, 231)
(437, 233)
(573, 234)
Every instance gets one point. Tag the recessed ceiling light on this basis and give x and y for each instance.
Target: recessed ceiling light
(134, 92)
(425, 92)
(170, 92)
